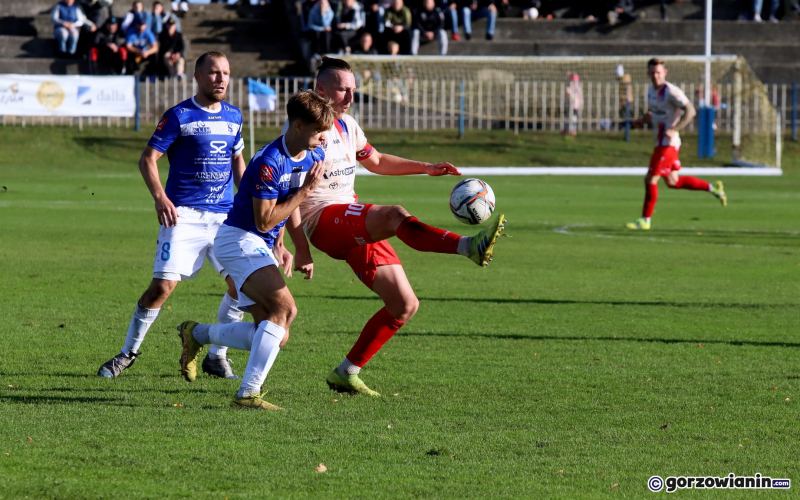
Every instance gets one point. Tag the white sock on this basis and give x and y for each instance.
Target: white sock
(228, 312)
(266, 345)
(463, 246)
(711, 188)
(200, 334)
(646, 219)
(137, 329)
(236, 335)
(346, 367)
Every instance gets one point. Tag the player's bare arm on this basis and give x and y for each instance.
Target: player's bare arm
(238, 166)
(148, 166)
(646, 119)
(385, 164)
(688, 115)
(270, 213)
(303, 261)
(282, 255)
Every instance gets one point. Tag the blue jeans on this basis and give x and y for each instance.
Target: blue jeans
(773, 8)
(470, 14)
(67, 39)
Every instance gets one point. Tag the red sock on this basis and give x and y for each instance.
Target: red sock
(691, 183)
(378, 330)
(650, 199)
(425, 238)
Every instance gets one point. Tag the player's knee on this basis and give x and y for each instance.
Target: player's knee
(671, 183)
(398, 214)
(407, 309)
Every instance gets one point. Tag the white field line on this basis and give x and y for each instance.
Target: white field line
(608, 171)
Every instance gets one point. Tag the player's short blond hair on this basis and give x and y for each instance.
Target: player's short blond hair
(308, 107)
(655, 62)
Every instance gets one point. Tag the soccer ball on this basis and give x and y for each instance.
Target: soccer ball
(472, 201)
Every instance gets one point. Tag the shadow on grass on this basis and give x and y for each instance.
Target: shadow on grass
(22, 399)
(401, 333)
(644, 303)
(745, 238)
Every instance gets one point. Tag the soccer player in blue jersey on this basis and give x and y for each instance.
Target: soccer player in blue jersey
(281, 176)
(202, 138)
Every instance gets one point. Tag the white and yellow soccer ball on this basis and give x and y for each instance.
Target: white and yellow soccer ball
(472, 201)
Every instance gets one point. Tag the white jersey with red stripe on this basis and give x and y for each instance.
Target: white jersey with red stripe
(345, 144)
(666, 103)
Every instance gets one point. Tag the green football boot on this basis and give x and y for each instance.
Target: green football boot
(253, 402)
(191, 350)
(481, 246)
(719, 192)
(640, 223)
(348, 383)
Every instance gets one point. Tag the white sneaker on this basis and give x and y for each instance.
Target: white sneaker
(773, 19)
(757, 18)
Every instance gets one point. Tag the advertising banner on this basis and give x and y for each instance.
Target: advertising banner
(61, 95)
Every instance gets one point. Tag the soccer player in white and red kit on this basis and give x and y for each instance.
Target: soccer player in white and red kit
(669, 110)
(337, 224)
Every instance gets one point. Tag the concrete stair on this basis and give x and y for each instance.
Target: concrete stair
(770, 49)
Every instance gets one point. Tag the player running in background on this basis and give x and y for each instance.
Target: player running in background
(669, 111)
(337, 224)
(276, 181)
(202, 138)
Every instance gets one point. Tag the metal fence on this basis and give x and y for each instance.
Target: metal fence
(438, 104)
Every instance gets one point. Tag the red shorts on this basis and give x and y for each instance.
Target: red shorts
(342, 234)
(664, 160)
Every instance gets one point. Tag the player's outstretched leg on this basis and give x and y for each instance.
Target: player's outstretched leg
(424, 238)
(481, 245)
(695, 184)
(719, 192)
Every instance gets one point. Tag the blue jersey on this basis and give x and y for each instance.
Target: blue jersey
(271, 175)
(200, 145)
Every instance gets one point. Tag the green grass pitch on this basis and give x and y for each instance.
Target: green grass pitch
(584, 360)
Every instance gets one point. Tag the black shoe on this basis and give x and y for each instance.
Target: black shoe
(114, 366)
(489, 37)
(468, 36)
(218, 367)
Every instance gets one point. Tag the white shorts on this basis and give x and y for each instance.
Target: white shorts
(241, 253)
(181, 249)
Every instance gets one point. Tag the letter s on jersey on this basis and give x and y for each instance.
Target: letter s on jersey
(218, 146)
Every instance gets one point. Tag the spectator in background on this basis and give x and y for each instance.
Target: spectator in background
(96, 11)
(625, 91)
(108, 50)
(621, 10)
(320, 18)
(393, 48)
(364, 46)
(171, 50)
(398, 23)
(183, 6)
(375, 12)
(478, 10)
(429, 25)
(156, 21)
(142, 49)
(67, 20)
(773, 9)
(136, 14)
(349, 21)
(574, 103)
(451, 9)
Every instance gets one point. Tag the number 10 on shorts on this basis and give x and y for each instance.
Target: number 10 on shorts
(354, 209)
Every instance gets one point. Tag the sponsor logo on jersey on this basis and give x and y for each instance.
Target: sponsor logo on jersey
(212, 176)
(266, 173)
(161, 124)
(333, 185)
(214, 118)
(201, 128)
(338, 172)
(324, 144)
(297, 169)
(218, 147)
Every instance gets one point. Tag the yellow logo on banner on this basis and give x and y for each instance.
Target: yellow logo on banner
(50, 95)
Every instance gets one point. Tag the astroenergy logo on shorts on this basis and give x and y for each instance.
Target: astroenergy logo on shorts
(730, 482)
